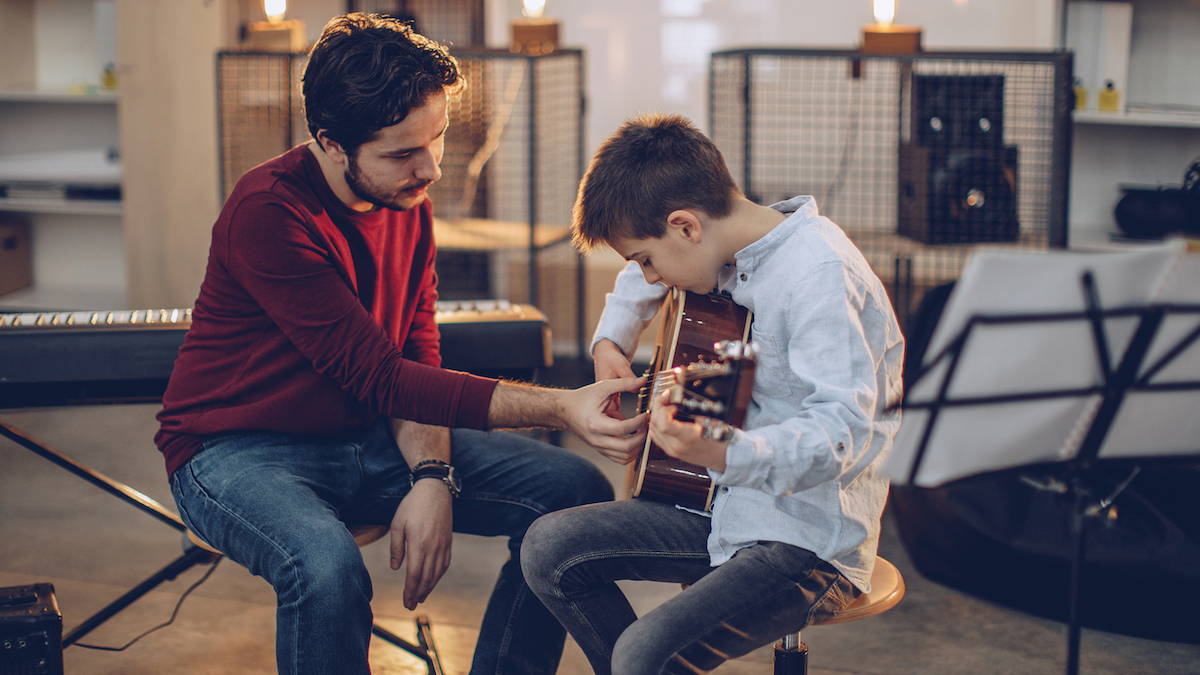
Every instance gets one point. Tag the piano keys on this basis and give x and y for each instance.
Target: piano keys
(62, 358)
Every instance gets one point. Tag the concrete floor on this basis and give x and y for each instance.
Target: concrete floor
(56, 528)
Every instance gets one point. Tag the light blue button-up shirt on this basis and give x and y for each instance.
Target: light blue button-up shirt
(805, 471)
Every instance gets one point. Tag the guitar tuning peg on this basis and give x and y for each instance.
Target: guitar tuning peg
(736, 349)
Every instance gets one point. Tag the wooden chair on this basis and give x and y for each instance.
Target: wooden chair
(424, 650)
(887, 588)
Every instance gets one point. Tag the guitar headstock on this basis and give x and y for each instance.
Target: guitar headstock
(718, 390)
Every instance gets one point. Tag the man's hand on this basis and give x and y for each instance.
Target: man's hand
(581, 411)
(421, 531)
(585, 413)
(422, 526)
(611, 364)
(683, 440)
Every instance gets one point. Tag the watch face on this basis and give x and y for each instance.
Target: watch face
(453, 481)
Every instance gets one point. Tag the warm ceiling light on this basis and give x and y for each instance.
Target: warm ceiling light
(885, 11)
(533, 8)
(275, 9)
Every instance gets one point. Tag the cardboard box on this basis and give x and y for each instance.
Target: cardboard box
(16, 266)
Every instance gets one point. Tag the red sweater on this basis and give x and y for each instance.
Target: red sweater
(313, 318)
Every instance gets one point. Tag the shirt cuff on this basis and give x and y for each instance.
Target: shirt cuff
(742, 461)
(620, 324)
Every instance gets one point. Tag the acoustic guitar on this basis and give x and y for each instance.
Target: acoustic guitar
(704, 357)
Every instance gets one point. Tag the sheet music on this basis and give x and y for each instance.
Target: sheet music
(1139, 428)
(1032, 357)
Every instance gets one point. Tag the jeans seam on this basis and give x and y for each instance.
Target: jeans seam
(502, 652)
(560, 570)
(234, 516)
(821, 600)
(504, 499)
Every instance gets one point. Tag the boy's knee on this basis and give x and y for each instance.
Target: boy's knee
(539, 555)
(637, 653)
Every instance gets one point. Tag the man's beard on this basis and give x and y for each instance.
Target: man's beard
(367, 192)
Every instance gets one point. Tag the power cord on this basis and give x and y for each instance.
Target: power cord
(162, 625)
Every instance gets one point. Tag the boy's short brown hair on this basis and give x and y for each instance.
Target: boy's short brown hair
(653, 165)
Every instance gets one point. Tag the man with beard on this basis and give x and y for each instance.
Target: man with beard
(308, 394)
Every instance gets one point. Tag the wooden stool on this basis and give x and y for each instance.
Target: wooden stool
(363, 535)
(887, 588)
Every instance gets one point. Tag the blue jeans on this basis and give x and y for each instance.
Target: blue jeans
(572, 559)
(279, 504)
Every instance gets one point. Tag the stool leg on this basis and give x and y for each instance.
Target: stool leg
(791, 656)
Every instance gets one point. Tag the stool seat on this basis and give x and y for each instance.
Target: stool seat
(887, 589)
(363, 535)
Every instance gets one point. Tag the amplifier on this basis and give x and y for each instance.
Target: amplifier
(949, 196)
(958, 180)
(30, 631)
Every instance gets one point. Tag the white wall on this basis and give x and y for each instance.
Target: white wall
(652, 55)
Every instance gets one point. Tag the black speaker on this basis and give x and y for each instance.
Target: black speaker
(30, 631)
(958, 181)
(958, 111)
(958, 196)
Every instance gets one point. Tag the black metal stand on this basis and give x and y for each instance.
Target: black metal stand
(131, 496)
(424, 650)
(1128, 376)
(192, 556)
(791, 656)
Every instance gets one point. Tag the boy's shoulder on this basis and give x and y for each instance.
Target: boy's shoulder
(806, 235)
(807, 245)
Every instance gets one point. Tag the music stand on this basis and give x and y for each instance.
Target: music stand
(1053, 363)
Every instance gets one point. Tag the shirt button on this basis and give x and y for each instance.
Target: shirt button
(743, 277)
(724, 489)
(841, 446)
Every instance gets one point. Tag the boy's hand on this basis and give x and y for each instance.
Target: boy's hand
(611, 364)
(683, 440)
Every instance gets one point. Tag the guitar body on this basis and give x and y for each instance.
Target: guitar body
(692, 324)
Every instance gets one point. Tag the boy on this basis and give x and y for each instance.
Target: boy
(794, 526)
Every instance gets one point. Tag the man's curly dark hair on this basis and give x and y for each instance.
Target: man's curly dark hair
(367, 72)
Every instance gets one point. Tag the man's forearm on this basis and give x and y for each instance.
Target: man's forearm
(419, 442)
(516, 405)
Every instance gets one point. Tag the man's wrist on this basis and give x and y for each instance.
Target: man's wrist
(439, 470)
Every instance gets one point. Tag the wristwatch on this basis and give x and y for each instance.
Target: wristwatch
(433, 468)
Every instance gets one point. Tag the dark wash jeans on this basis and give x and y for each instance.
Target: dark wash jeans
(279, 504)
(572, 559)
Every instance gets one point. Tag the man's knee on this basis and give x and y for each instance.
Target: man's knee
(330, 568)
(584, 483)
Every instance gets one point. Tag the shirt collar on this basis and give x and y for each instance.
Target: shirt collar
(799, 209)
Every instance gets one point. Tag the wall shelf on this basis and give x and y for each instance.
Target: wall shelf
(1141, 118)
(74, 207)
(31, 95)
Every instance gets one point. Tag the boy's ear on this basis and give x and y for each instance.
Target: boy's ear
(687, 224)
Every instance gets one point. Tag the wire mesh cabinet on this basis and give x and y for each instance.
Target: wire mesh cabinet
(919, 157)
(512, 164)
(260, 113)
